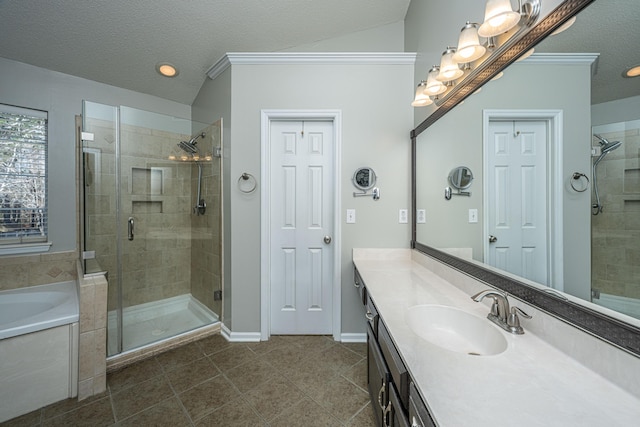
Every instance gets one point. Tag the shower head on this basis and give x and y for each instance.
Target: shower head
(189, 147)
(610, 146)
(603, 141)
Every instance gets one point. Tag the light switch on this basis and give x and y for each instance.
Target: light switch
(351, 216)
(403, 216)
(421, 216)
(473, 216)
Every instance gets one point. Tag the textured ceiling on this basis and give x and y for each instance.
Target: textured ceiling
(119, 42)
(611, 28)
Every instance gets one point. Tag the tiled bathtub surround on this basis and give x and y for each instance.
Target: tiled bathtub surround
(32, 270)
(287, 381)
(93, 336)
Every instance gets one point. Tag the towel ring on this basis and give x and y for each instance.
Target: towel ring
(577, 176)
(245, 183)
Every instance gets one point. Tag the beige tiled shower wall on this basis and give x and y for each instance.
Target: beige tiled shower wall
(616, 231)
(32, 270)
(206, 244)
(156, 193)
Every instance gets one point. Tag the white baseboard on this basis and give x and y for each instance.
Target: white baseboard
(360, 337)
(239, 336)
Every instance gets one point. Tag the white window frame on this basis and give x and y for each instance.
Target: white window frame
(26, 244)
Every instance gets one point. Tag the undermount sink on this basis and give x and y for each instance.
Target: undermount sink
(456, 330)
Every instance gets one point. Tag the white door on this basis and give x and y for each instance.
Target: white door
(517, 198)
(302, 185)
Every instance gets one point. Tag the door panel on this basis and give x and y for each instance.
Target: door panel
(301, 216)
(517, 198)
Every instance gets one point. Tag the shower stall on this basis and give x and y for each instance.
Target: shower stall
(151, 218)
(615, 223)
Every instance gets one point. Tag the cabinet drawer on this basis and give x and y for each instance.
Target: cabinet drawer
(371, 314)
(418, 413)
(399, 372)
(359, 284)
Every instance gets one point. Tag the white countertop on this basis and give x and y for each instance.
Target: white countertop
(530, 384)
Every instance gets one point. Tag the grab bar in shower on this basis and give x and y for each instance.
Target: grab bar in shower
(130, 228)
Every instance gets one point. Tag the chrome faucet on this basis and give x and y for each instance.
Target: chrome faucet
(501, 314)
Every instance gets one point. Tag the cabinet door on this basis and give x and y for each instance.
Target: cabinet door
(378, 377)
(393, 415)
(418, 413)
(399, 373)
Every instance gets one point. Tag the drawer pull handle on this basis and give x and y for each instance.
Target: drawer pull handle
(386, 415)
(369, 315)
(380, 394)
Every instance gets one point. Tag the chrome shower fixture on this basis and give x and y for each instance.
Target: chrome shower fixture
(189, 147)
(605, 148)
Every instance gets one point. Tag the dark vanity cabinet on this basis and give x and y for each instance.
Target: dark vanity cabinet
(394, 399)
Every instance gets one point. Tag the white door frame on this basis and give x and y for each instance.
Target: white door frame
(267, 116)
(555, 184)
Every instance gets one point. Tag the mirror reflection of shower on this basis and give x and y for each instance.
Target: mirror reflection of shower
(190, 147)
(605, 148)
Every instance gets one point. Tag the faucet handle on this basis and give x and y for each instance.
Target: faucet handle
(513, 322)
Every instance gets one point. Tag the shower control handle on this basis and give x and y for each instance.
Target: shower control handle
(130, 228)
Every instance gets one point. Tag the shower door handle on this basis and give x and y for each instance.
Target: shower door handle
(130, 228)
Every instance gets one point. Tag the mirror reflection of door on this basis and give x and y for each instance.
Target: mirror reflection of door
(517, 198)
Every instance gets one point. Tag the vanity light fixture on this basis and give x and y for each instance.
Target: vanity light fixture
(449, 70)
(564, 26)
(434, 86)
(526, 55)
(469, 47)
(167, 70)
(499, 18)
(421, 99)
(632, 72)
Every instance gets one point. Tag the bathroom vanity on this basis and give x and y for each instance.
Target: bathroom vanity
(420, 378)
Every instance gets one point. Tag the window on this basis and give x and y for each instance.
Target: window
(23, 176)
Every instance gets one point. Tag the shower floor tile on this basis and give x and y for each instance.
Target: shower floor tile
(287, 381)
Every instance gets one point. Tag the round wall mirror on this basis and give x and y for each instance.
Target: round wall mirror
(364, 178)
(460, 178)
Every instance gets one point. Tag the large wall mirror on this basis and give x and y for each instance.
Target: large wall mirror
(541, 234)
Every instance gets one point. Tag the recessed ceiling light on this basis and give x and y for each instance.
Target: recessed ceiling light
(632, 71)
(166, 69)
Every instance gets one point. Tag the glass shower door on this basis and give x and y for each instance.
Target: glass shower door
(150, 220)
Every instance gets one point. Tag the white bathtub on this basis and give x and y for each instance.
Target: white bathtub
(36, 308)
(38, 347)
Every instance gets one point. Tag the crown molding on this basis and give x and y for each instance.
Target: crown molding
(565, 59)
(323, 58)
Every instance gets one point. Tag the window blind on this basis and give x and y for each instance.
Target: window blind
(23, 175)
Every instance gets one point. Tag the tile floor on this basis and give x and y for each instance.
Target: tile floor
(286, 381)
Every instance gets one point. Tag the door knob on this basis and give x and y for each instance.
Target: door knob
(327, 239)
(493, 239)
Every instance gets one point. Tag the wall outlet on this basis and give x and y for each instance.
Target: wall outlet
(473, 216)
(351, 216)
(403, 216)
(421, 216)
